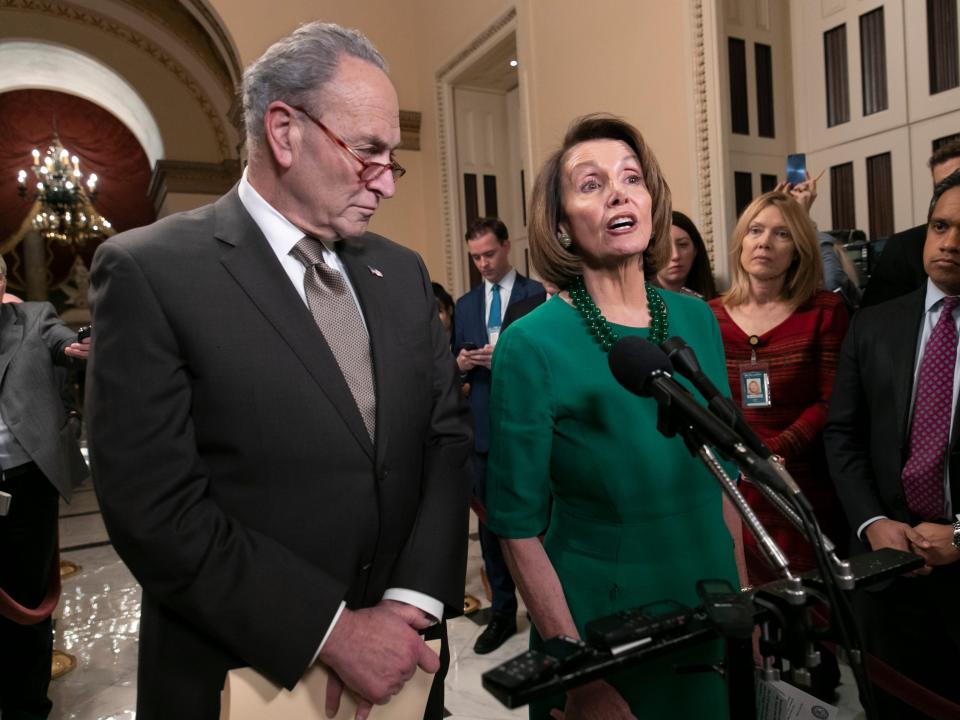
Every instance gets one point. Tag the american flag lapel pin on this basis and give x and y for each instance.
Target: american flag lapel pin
(374, 271)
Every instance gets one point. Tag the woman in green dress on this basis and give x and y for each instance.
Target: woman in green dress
(630, 517)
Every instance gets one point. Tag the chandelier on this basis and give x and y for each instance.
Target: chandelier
(63, 210)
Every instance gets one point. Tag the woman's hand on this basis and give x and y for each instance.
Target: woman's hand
(804, 193)
(597, 700)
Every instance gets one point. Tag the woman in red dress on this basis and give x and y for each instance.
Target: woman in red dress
(782, 336)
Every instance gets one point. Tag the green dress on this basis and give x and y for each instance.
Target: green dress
(630, 516)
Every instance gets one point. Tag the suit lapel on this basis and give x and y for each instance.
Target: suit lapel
(250, 260)
(904, 329)
(11, 335)
(368, 286)
(481, 291)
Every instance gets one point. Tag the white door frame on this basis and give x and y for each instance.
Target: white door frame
(455, 256)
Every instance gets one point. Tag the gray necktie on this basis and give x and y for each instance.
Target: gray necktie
(338, 318)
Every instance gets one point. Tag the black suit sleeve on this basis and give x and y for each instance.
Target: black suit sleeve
(434, 559)
(253, 596)
(899, 268)
(846, 435)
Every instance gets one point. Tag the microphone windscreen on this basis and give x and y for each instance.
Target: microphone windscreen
(633, 360)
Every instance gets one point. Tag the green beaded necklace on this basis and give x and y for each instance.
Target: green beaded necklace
(602, 330)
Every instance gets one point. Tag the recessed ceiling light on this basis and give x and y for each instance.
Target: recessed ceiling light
(513, 63)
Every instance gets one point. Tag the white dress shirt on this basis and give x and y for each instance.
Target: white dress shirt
(282, 235)
(932, 306)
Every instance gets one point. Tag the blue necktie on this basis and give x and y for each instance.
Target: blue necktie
(493, 319)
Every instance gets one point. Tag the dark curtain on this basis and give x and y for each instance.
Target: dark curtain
(942, 51)
(28, 119)
(742, 190)
(763, 62)
(873, 62)
(842, 208)
(739, 115)
(880, 196)
(838, 83)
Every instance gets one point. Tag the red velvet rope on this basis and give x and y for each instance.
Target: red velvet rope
(900, 686)
(12, 610)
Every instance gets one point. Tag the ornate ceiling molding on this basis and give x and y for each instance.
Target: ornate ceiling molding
(74, 13)
(410, 130)
(201, 178)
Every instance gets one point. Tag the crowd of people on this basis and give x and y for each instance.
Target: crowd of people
(277, 410)
(596, 512)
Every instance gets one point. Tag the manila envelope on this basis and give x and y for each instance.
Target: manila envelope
(247, 695)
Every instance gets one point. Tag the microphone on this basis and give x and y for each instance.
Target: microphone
(684, 360)
(644, 369)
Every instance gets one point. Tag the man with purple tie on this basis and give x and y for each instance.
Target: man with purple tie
(891, 440)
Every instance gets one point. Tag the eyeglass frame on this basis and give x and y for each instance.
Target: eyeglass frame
(395, 168)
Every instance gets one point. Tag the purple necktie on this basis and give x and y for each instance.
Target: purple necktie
(923, 474)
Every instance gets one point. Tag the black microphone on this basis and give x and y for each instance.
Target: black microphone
(684, 361)
(644, 369)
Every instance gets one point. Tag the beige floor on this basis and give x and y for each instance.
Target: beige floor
(98, 621)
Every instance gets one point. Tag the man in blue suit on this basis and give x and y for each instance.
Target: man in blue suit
(477, 322)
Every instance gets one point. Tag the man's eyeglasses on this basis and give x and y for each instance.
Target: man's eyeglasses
(371, 170)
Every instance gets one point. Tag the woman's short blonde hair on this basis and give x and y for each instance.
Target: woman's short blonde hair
(560, 265)
(805, 274)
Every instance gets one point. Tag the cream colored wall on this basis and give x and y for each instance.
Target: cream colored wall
(627, 57)
(631, 59)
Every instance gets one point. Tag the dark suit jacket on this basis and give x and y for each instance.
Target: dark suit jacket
(470, 325)
(32, 340)
(522, 307)
(899, 269)
(234, 472)
(866, 435)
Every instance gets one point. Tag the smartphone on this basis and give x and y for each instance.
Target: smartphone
(797, 168)
(84, 332)
(468, 346)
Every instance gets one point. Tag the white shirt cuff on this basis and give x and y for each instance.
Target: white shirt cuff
(867, 523)
(327, 633)
(431, 606)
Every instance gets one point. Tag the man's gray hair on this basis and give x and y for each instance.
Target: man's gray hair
(3, 267)
(297, 65)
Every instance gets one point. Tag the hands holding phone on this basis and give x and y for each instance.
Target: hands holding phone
(81, 348)
(804, 192)
(471, 356)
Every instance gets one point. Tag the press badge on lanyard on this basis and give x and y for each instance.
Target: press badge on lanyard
(755, 379)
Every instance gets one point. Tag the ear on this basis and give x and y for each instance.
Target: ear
(506, 244)
(281, 133)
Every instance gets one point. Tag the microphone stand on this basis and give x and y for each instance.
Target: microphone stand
(670, 423)
(842, 569)
(738, 660)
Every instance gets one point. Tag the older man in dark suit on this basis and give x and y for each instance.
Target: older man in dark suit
(41, 463)
(891, 440)
(277, 434)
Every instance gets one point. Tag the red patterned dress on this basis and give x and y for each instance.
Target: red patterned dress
(801, 354)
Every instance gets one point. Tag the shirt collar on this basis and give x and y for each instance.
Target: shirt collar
(279, 232)
(934, 296)
(506, 282)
